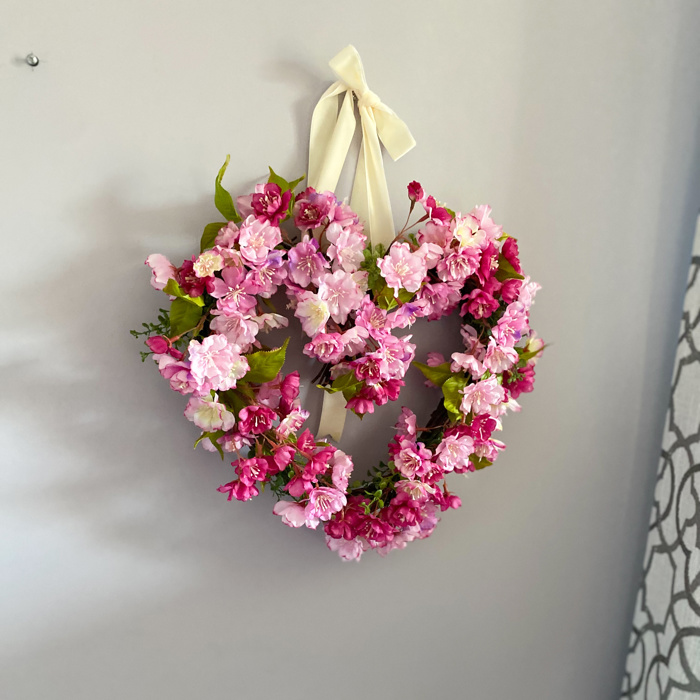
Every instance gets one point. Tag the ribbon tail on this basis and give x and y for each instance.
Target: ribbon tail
(332, 416)
(370, 192)
(331, 135)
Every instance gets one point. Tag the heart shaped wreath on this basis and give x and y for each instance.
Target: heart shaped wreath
(351, 293)
(350, 297)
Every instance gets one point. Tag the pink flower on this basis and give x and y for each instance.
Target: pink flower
(342, 469)
(360, 404)
(371, 318)
(257, 238)
(480, 304)
(305, 262)
(342, 294)
(292, 513)
(255, 419)
(313, 312)
(326, 347)
(240, 330)
(409, 461)
(348, 550)
(466, 362)
(433, 359)
(457, 266)
(437, 234)
(215, 363)
(483, 397)
(157, 344)
(406, 424)
(499, 357)
(162, 269)
(227, 235)
(454, 451)
(251, 470)
(291, 423)
(323, 502)
(312, 208)
(234, 292)
(271, 204)
(209, 416)
(346, 247)
(415, 191)
(238, 490)
(403, 269)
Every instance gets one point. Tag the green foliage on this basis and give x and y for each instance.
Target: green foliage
(236, 399)
(506, 271)
(437, 375)
(175, 290)
(184, 316)
(213, 437)
(265, 365)
(525, 356)
(151, 329)
(480, 462)
(222, 197)
(209, 236)
(284, 185)
(374, 275)
(452, 397)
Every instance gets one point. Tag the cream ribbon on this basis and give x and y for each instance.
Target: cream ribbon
(332, 131)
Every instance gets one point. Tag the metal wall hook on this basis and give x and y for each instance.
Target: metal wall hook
(32, 59)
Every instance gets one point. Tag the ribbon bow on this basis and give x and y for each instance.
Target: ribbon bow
(331, 135)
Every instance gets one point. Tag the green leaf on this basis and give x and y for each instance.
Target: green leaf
(385, 299)
(174, 289)
(437, 375)
(525, 356)
(344, 381)
(213, 437)
(480, 462)
(234, 399)
(284, 185)
(184, 316)
(451, 391)
(405, 296)
(209, 236)
(506, 271)
(222, 197)
(265, 365)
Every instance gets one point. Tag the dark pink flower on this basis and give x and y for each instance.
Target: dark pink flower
(510, 290)
(283, 457)
(255, 419)
(415, 191)
(238, 490)
(251, 470)
(306, 441)
(436, 212)
(313, 208)
(480, 304)
(157, 344)
(360, 405)
(271, 204)
(510, 253)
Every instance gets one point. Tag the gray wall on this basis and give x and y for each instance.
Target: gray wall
(123, 573)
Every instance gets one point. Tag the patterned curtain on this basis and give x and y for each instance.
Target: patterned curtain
(664, 654)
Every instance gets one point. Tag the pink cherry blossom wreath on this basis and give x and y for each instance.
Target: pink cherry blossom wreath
(350, 298)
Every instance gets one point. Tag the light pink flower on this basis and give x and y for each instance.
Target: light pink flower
(342, 469)
(292, 513)
(306, 264)
(466, 362)
(326, 347)
(323, 502)
(215, 363)
(234, 292)
(342, 294)
(499, 357)
(257, 238)
(162, 269)
(209, 415)
(457, 266)
(227, 235)
(483, 397)
(454, 451)
(208, 263)
(348, 550)
(313, 313)
(346, 247)
(409, 461)
(291, 423)
(240, 330)
(403, 269)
